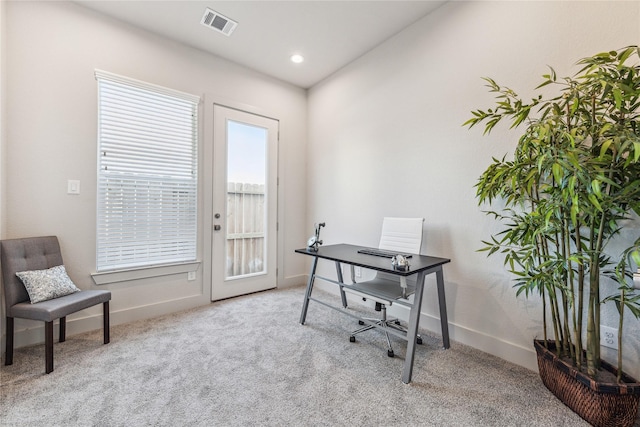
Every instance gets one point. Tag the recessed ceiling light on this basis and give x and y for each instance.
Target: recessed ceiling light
(297, 58)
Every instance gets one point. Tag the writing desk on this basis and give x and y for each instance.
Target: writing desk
(421, 266)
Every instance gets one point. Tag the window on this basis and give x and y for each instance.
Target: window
(147, 174)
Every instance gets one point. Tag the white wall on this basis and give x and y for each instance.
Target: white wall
(385, 139)
(3, 129)
(52, 51)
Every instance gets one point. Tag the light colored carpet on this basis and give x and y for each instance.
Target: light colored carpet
(248, 362)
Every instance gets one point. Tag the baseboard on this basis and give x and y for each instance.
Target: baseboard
(149, 311)
(292, 281)
(509, 351)
(32, 333)
(480, 340)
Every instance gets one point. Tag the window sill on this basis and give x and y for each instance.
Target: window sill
(143, 273)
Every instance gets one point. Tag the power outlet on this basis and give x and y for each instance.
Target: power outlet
(608, 337)
(191, 275)
(358, 271)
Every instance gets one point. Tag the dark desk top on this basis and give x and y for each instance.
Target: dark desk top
(348, 254)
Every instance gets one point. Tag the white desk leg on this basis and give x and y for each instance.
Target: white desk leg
(412, 332)
(307, 295)
(442, 303)
(340, 279)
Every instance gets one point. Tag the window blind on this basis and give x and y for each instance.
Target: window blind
(147, 174)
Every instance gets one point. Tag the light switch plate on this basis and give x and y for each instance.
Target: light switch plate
(73, 186)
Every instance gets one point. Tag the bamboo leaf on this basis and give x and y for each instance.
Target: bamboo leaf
(557, 172)
(594, 201)
(574, 213)
(605, 146)
(636, 151)
(595, 186)
(623, 56)
(617, 96)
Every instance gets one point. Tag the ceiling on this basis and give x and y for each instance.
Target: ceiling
(329, 34)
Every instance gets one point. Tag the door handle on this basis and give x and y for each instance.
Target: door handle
(217, 227)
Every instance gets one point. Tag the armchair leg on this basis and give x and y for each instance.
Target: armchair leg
(48, 346)
(8, 355)
(63, 329)
(105, 319)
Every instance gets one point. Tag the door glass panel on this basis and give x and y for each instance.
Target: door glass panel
(246, 199)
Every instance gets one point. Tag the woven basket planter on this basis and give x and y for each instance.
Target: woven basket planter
(600, 404)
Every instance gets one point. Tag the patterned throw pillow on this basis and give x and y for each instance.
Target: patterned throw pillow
(43, 285)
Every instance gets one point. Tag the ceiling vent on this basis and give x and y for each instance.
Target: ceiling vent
(218, 22)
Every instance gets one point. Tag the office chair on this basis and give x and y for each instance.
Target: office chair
(401, 235)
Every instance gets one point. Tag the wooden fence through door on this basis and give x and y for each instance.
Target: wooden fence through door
(245, 228)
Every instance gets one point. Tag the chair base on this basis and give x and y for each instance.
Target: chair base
(383, 324)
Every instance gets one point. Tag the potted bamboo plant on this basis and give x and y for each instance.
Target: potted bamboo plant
(571, 187)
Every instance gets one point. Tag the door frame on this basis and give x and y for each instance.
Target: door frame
(205, 194)
(208, 158)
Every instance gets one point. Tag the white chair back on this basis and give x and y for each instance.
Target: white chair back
(401, 235)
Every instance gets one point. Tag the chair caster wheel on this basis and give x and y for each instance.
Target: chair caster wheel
(390, 353)
(419, 340)
(360, 322)
(352, 338)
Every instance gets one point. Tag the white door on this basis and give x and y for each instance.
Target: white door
(244, 203)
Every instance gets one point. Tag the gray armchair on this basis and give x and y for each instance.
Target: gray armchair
(41, 253)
